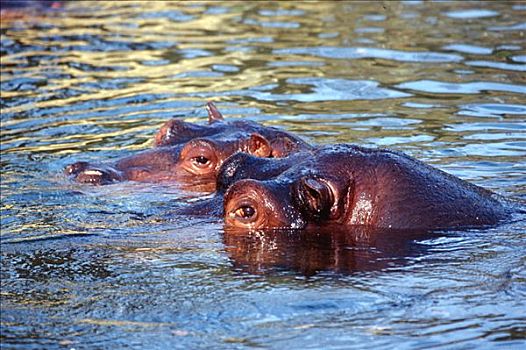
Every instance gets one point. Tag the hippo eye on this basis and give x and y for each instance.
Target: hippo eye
(245, 212)
(200, 161)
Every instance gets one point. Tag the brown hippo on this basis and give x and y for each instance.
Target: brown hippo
(191, 154)
(177, 131)
(351, 185)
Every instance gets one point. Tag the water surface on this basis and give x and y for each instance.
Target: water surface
(112, 267)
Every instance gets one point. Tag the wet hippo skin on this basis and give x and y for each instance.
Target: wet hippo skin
(240, 166)
(191, 154)
(351, 185)
(176, 131)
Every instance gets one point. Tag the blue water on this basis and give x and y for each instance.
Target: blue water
(113, 267)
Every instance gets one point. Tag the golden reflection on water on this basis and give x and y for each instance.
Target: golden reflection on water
(103, 76)
(95, 80)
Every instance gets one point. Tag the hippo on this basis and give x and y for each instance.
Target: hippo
(191, 154)
(349, 185)
(177, 131)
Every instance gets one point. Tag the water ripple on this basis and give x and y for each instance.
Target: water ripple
(320, 89)
(371, 52)
(513, 27)
(441, 87)
(466, 48)
(498, 65)
(83, 265)
(492, 110)
(472, 13)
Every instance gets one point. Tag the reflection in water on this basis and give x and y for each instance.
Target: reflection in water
(366, 52)
(316, 89)
(461, 88)
(349, 250)
(442, 81)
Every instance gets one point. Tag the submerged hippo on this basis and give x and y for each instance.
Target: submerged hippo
(191, 154)
(177, 131)
(351, 185)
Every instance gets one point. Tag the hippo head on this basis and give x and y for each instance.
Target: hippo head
(176, 131)
(193, 165)
(305, 188)
(351, 185)
(191, 154)
(286, 202)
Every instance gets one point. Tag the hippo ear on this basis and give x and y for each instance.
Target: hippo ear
(283, 146)
(259, 146)
(315, 196)
(213, 113)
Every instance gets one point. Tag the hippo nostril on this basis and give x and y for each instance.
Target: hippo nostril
(95, 177)
(85, 172)
(93, 173)
(75, 168)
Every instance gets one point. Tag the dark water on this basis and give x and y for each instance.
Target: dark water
(111, 267)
